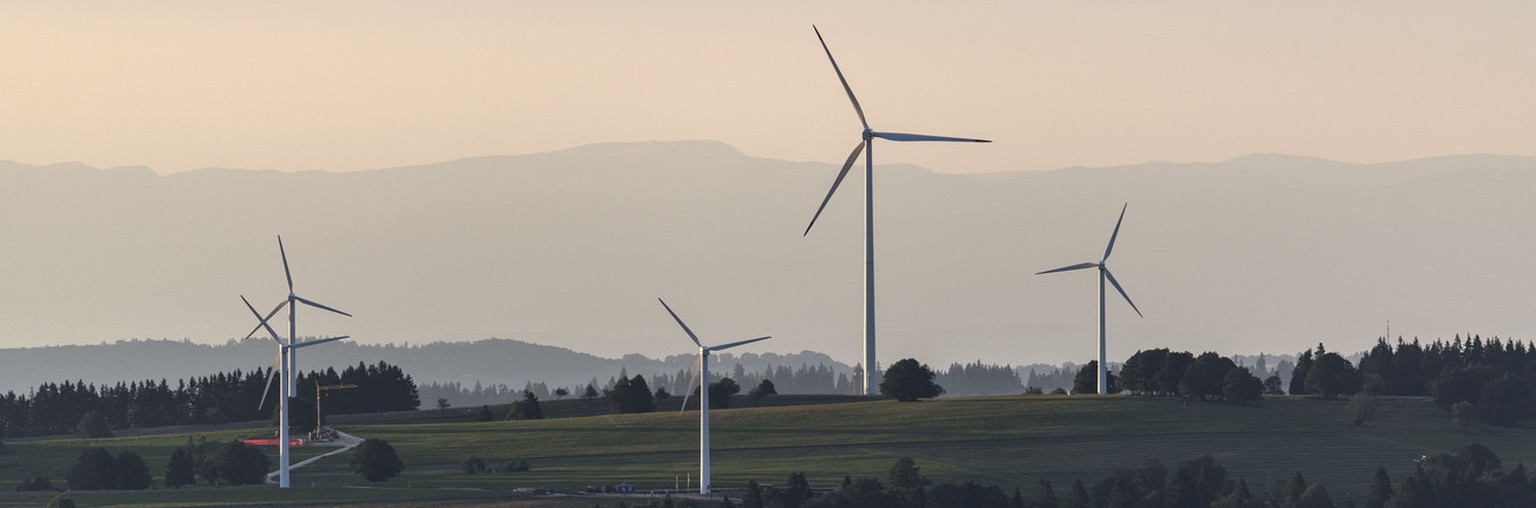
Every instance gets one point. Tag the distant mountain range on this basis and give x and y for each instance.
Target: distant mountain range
(489, 362)
(572, 248)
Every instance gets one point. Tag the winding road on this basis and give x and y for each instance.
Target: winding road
(343, 442)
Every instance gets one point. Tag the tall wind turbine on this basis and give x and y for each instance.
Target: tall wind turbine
(284, 351)
(867, 143)
(702, 373)
(1103, 274)
(288, 354)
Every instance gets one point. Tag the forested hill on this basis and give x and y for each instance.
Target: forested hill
(490, 362)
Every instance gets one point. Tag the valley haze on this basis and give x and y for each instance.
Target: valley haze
(571, 248)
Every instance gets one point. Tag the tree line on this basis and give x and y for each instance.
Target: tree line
(1165, 373)
(1492, 381)
(59, 408)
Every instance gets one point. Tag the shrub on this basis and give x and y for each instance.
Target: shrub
(472, 465)
(95, 469)
(237, 463)
(132, 472)
(375, 460)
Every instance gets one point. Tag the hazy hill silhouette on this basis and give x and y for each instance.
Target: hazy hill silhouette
(571, 248)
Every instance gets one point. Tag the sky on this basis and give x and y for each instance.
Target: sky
(354, 85)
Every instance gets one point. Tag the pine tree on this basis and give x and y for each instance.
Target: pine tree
(1381, 489)
(1045, 496)
(132, 472)
(179, 471)
(1077, 497)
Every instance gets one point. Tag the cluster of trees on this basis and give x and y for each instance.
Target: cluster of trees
(979, 379)
(903, 487)
(1472, 476)
(97, 469)
(456, 394)
(1061, 378)
(631, 395)
(57, 408)
(1495, 379)
(1324, 373)
(1165, 373)
(476, 465)
(233, 463)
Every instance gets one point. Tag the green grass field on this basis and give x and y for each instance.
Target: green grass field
(1007, 441)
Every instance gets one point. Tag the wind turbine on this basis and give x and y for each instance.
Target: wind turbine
(1103, 274)
(287, 355)
(867, 143)
(702, 374)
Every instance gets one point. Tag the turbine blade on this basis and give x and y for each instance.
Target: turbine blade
(1122, 291)
(263, 320)
(852, 157)
(320, 341)
(737, 343)
(692, 379)
(317, 305)
(901, 136)
(1112, 236)
(266, 388)
(286, 272)
(840, 78)
(680, 323)
(1078, 266)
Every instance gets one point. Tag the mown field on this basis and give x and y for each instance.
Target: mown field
(1007, 441)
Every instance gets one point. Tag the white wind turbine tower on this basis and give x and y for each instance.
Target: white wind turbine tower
(284, 351)
(869, 206)
(701, 373)
(288, 356)
(1103, 274)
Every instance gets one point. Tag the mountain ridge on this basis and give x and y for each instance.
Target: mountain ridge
(575, 247)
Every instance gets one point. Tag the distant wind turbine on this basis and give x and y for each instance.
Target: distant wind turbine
(701, 373)
(1103, 274)
(869, 206)
(287, 356)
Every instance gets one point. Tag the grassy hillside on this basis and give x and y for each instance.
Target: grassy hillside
(1008, 441)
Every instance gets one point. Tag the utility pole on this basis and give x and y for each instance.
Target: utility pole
(318, 391)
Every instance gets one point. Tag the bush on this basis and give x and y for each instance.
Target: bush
(472, 465)
(93, 425)
(515, 466)
(237, 463)
(95, 469)
(1032, 390)
(375, 460)
(38, 483)
(132, 472)
(1361, 406)
(61, 501)
(763, 389)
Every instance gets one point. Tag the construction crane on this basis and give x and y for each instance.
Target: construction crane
(319, 390)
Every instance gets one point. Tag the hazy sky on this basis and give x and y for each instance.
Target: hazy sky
(355, 85)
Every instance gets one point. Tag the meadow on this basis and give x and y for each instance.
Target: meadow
(1008, 441)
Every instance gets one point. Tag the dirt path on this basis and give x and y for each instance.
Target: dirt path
(344, 442)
